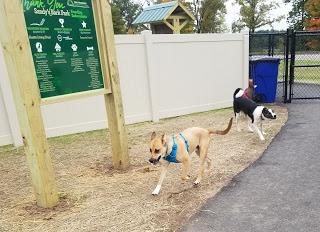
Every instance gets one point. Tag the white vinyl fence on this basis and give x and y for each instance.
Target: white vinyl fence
(161, 76)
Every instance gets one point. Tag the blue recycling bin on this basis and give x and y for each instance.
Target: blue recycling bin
(264, 72)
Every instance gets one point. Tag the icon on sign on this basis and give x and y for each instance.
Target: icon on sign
(57, 47)
(84, 24)
(74, 47)
(59, 37)
(39, 47)
(61, 21)
(39, 24)
(89, 48)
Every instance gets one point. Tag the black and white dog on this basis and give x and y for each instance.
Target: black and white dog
(256, 113)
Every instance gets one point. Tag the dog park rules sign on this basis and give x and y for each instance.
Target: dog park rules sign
(64, 46)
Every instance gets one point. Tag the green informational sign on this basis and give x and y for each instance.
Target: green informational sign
(64, 46)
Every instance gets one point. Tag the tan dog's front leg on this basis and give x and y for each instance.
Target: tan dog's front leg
(162, 176)
(186, 168)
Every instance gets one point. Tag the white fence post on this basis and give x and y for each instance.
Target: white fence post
(245, 59)
(151, 82)
(9, 104)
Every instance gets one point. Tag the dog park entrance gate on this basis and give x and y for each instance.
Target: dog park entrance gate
(299, 69)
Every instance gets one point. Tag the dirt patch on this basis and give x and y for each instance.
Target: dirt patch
(94, 197)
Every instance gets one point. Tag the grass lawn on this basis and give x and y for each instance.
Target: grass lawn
(303, 74)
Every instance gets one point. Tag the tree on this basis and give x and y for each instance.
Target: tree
(129, 10)
(313, 8)
(298, 15)
(209, 15)
(212, 15)
(302, 11)
(118, 24)
(255, 14)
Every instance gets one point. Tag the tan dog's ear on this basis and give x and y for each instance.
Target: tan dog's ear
(163, 139)
(153, 135)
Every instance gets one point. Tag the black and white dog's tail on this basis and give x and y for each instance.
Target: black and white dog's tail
(238, 93)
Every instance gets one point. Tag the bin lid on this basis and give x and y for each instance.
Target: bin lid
(265, 59)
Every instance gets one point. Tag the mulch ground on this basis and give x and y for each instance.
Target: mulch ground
(94, 197)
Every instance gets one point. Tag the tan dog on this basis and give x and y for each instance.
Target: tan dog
(192, 139)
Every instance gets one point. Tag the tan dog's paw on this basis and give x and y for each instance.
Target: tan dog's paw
(209, 164)
(184, 178)
(156, 190)
(196, 183)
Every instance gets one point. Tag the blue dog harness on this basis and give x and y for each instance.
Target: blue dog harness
(172, 157)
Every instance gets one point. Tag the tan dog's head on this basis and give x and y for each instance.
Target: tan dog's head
(157, 147)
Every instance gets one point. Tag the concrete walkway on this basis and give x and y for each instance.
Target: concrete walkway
(281, 191)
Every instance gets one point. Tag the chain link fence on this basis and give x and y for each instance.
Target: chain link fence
(299, 69)
(305, 65)
(270, 45)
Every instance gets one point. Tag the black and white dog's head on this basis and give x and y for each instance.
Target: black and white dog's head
(268, 113)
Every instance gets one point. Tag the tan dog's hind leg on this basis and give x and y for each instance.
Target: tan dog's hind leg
(186, 168)
(208, 163)
(162, 176)
(208, 160)
(203, 155)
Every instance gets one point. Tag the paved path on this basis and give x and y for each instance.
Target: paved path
(281, 191)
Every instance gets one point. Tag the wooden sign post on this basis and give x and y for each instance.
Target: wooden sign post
(56, 51)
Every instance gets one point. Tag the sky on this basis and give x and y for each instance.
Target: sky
(233, 14)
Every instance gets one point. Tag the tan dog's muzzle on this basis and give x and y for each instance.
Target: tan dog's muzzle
(155, 161)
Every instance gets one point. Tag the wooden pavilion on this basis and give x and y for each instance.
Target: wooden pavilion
(165, 18)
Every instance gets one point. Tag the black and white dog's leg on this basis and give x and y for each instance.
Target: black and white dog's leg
(250, 124)
(256, 129)
(237, 123)
(162, 176)
(262, 128)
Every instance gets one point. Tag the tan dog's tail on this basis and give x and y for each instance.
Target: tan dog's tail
(224, 132)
